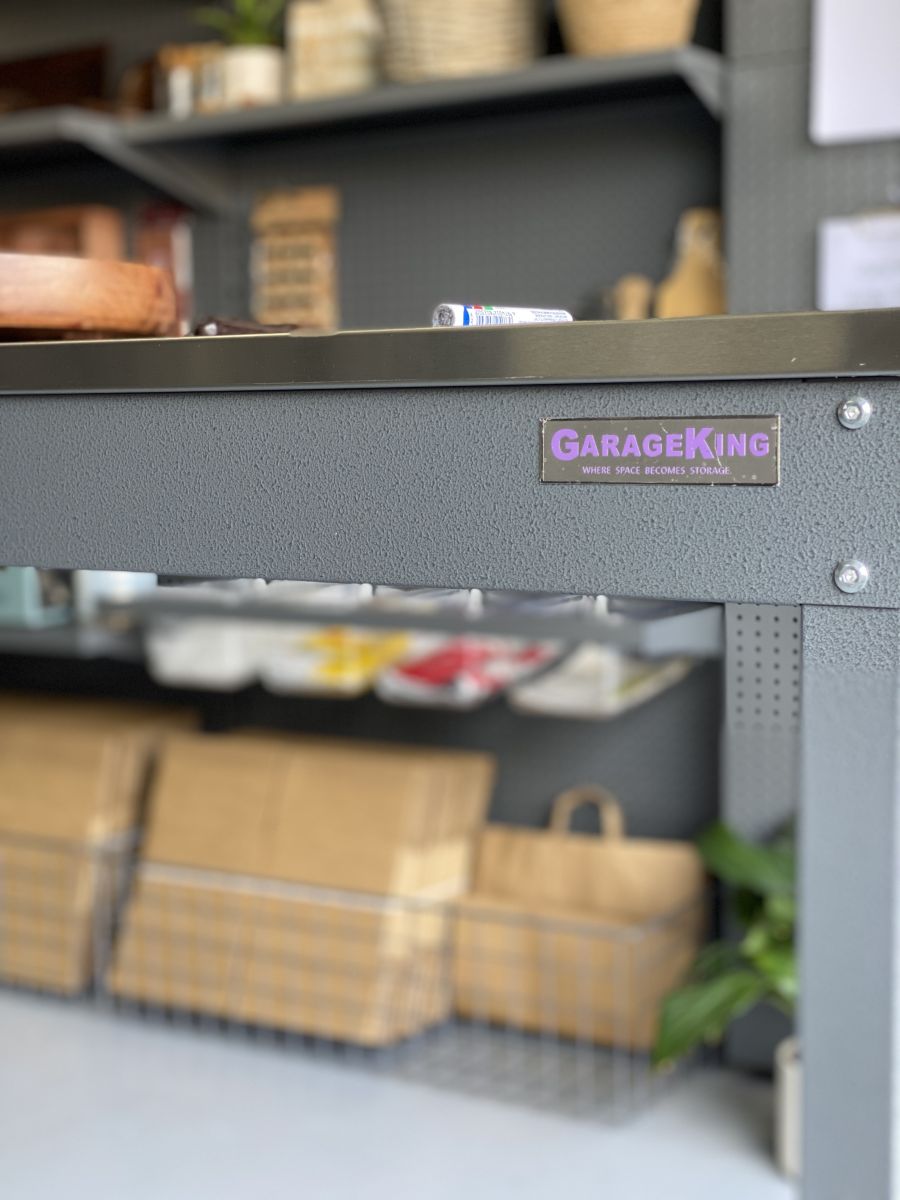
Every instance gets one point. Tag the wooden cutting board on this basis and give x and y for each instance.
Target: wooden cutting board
(53, 296)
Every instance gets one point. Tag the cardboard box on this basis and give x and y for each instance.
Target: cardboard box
(378, 819)
(73, 769)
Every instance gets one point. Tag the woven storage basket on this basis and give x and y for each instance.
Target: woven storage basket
(437, 39)
(597, 28)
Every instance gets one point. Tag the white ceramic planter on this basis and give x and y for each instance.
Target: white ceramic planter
(788, 1107)
(251, 75)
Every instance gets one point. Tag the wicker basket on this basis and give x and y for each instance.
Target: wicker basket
(439, 39)
(597, 28)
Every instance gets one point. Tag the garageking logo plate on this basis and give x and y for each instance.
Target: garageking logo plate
(681, 450)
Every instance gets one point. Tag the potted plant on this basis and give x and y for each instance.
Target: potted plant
(730, 978)
(252, 64)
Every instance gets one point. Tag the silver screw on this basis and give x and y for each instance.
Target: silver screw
(851, 576)
(855, 412)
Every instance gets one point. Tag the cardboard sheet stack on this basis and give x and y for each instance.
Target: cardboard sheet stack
(72, 773)
(302, 884)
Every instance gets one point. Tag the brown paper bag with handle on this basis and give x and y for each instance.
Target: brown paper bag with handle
(578, 935)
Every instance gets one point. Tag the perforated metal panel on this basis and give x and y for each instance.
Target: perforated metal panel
(762, 715)
(760, 760)
(763, 668)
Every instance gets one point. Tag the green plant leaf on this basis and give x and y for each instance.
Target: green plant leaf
(757, 940)
(270, 10)
(715, 959)
(215, 18)
(782, 912)
(701, 1012)
(761, 869)
(244, 22)
(748, 906)
(778, 965)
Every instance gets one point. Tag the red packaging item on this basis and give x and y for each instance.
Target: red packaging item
(464, 672)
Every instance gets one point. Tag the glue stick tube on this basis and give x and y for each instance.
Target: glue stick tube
(455, 315)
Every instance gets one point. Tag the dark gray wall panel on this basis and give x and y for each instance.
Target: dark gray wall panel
(535, 209)
(779, 186)
(766, 27)
(660, 759)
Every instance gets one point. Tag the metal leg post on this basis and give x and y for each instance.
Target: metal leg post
(850, 903)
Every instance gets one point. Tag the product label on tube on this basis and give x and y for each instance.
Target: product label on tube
(691, 450)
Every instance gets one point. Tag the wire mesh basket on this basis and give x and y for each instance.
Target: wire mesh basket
(544, 1011)
(57, 900)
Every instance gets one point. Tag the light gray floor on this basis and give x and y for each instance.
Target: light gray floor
(105, 1106)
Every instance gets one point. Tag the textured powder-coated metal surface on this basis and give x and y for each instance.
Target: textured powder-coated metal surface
(441, 487)
(850, 897)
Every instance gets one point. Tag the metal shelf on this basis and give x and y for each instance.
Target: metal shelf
(72, 641)
(650, 631)
(553, 78)
(163, 151)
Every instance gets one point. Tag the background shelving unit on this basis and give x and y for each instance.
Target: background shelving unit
(588, 165)
(544, 185)
(192, 160)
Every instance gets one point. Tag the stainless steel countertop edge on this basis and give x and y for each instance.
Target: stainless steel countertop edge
(769, 346)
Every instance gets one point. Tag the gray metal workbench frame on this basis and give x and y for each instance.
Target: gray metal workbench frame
(412, 458)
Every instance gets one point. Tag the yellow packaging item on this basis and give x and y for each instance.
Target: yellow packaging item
(575, 935)
(330, 660)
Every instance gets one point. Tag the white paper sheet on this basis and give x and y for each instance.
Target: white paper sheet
(856, 71)
(859, 261)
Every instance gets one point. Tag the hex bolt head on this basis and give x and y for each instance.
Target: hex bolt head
(855, 412)
(851, 576)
